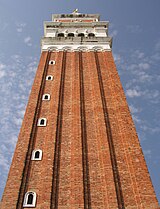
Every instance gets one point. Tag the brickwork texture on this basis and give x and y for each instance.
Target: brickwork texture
(92, 157)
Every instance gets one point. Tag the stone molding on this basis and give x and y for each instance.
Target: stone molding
(76, 48)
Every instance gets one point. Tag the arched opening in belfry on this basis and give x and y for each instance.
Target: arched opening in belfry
(81, 35)
(91, 35)
(60, 35)
(70, 34)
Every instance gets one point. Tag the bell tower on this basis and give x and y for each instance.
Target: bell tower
(78, 147)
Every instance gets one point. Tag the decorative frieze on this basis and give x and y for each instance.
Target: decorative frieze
(76, 47)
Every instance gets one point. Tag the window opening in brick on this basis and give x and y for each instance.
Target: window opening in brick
(49, 77)
(46, 97)
(42, 122)
(36, 155)
(30, 199)
(52, 62)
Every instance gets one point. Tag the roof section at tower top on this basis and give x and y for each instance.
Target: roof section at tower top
(75, 15)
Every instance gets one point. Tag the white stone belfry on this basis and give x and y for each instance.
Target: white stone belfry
(75, 32)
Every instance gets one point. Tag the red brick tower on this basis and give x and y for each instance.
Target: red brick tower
(78, 146)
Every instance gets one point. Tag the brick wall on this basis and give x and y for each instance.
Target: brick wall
(42, 177)
(11, 192)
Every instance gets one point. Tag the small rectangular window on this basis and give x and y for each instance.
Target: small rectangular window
(42, 122)
(52, 62)
(49, 77)
(46, 97)
(36, 155)
(29, 200)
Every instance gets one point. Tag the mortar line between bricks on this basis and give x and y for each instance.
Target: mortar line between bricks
(116, 176)
(27, 166)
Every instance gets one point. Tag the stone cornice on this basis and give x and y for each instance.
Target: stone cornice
(50, 24)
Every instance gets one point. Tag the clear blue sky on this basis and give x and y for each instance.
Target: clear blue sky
(135, 28)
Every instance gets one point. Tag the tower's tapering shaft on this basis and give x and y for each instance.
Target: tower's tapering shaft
(78, 147)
